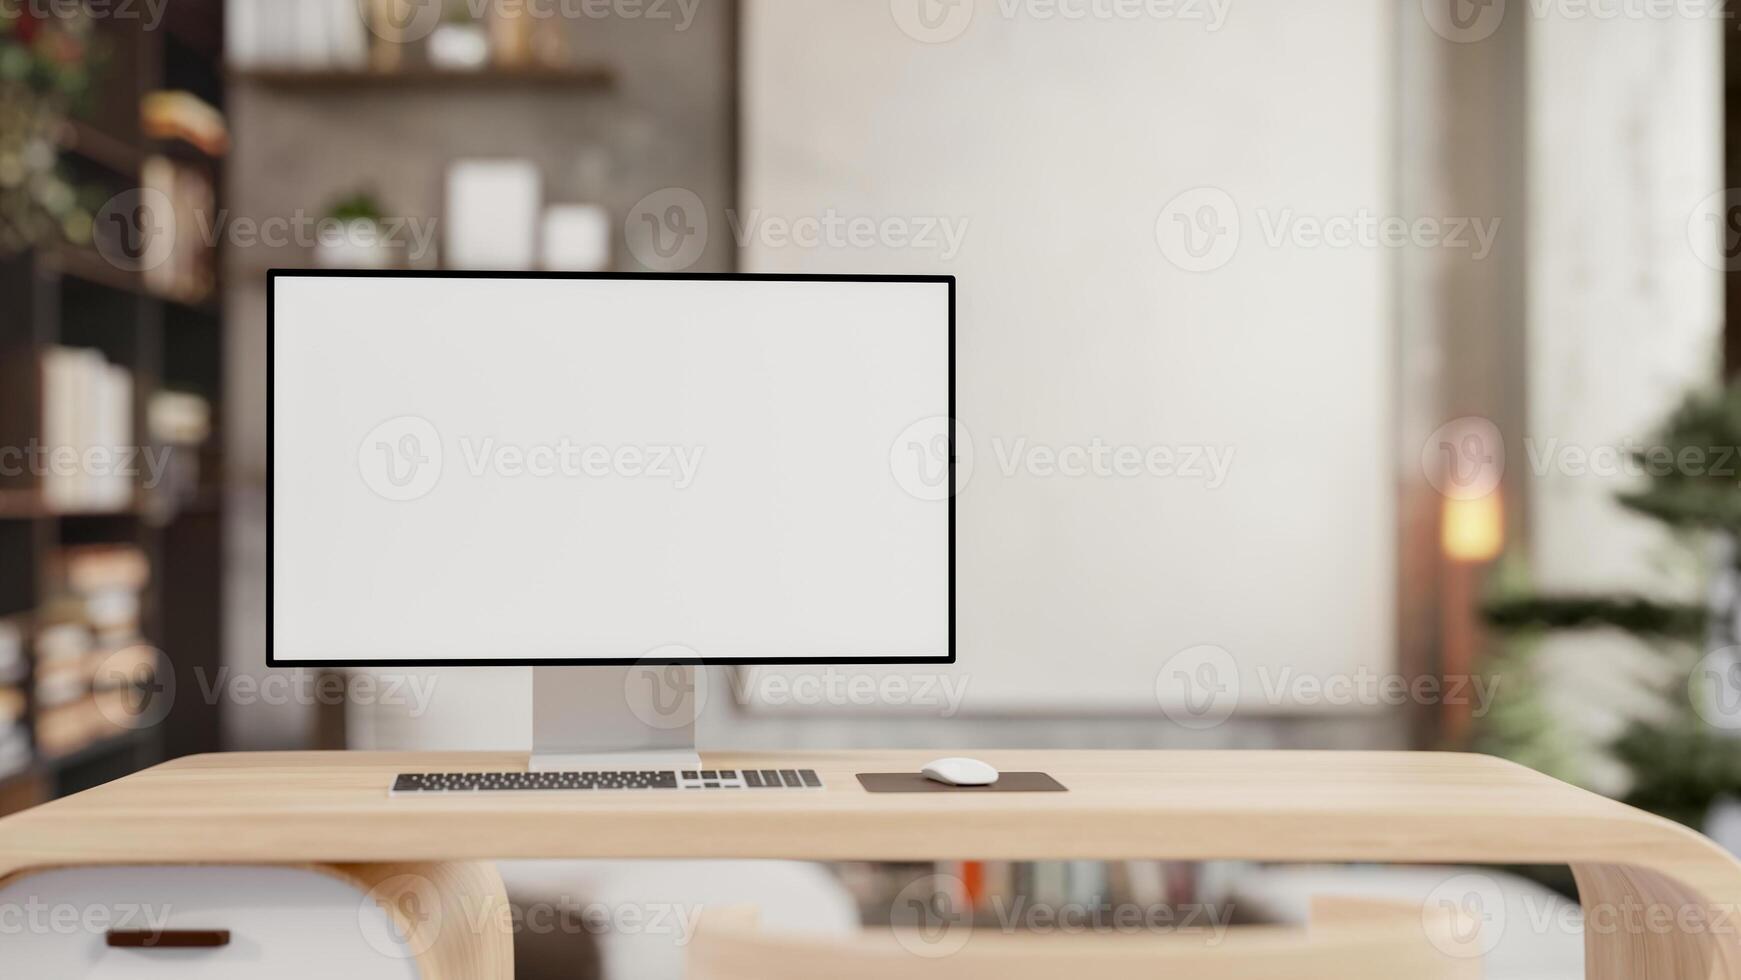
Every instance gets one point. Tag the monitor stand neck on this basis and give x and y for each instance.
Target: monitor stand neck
(640, 717)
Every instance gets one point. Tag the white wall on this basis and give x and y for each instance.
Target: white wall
(1626, 142)
(1053, 148)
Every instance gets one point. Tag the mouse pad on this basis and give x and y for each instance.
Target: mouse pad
(912, 782)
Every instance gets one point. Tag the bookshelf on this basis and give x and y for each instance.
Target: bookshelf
(62, 298)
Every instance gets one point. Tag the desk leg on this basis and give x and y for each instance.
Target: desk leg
(1642, 925)
(454, 916)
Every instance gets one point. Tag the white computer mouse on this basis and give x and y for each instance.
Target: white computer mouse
(957, 771)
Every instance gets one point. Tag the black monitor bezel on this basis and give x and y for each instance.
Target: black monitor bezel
(272, 277)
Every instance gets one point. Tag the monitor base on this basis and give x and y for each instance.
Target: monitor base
(640, 717)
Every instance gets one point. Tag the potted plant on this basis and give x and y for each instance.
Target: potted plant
(351, 236)
(459, 42)
(45, 70)
(1684, 760)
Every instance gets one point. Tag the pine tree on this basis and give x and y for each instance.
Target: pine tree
(1679, 764)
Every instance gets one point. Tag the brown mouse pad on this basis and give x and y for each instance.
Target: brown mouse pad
(912, 782)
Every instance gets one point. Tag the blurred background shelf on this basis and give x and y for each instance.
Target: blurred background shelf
(561, 78)
(145, 349)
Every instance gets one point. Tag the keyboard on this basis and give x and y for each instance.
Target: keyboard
(605, 780)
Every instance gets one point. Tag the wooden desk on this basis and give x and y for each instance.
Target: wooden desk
(333, 809)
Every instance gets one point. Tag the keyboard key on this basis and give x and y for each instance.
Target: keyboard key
(810, 778)
(753, 779)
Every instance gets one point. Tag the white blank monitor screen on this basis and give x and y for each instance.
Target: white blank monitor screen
(528, 469)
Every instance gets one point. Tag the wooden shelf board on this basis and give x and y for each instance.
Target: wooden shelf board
(86, 265)
(27, 505)
(111, 152)
(347, 80)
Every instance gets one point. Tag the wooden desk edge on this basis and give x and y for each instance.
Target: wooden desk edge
(1623, 858)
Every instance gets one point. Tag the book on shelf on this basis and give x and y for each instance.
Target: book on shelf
(87, 431)
(61, 682)
(15, 755)
(187, 271)
(307, 34)
(181, 424)
(13, 664)
(62, 641)
(12, 707)
(100, 588)
(92, 569)
(1038, 891)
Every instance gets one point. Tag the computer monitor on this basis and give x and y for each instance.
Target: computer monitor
(563, 470)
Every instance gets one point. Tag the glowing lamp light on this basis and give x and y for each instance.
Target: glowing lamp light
(1473, 530)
